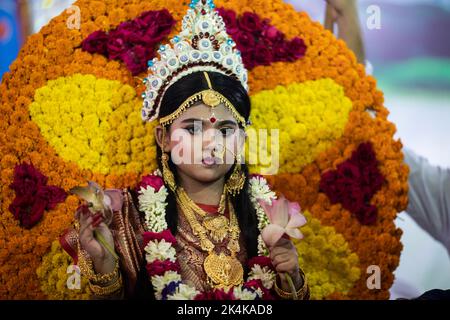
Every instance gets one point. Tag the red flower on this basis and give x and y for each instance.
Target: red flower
(349, 171)
(165, 235)
(33, 196)
(133, 42)
(158, 267)
(262, 261)
(257, 284)
(263, 55)
(229, 17)
(354, 183)
(365, 155)
(367, 214)
(154, 181)
(28, 210)
(136, 58)
(250, 22)
(244, 41)
(52, 194)
(272, 34)
(96, 42)
(281, 52)
(156, 25)
(117, 43)
(27, 179)
(259, 42)
(216, 295)
(296, 49)
(248, 59)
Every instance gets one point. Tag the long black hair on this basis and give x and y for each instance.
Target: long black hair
(232, 89)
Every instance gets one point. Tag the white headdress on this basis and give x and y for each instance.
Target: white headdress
(202, 45)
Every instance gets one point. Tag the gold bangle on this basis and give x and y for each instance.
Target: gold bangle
(87, 269)
(302, 293)
(106, 290)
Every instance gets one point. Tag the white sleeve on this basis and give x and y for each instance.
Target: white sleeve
(429, 197)
(369, 68)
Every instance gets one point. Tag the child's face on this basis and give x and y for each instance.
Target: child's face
(202, 149)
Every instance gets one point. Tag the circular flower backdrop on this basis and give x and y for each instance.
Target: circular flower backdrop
(71, 111)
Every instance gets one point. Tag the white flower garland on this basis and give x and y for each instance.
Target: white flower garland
(259, 190)
(264, 274)
(160, 250)
(153, 204)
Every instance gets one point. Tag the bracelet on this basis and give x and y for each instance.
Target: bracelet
(87, 269)
(106, 290)
(302, 293)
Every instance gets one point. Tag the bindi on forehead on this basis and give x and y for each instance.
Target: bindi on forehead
(217, 115)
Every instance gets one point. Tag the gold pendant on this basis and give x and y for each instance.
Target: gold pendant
(217, 227)
(210, 98)
(224, 271)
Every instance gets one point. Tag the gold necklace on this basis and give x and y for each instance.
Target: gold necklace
(223, 271)
(217, 225)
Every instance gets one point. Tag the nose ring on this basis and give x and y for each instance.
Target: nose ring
(221, 152)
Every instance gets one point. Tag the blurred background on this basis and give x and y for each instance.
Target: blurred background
(410, 55)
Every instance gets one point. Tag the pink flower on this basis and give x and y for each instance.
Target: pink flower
(284, 217)
(154, 181)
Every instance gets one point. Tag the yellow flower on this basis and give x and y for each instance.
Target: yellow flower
(310, 116)
(54, 273)
(89, 120)
(326, 258)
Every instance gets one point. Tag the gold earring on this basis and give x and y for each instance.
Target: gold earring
(168, 176)
(236, 181)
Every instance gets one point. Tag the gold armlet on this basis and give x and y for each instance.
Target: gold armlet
(100, 291)
(87, 269)
(302, 293)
